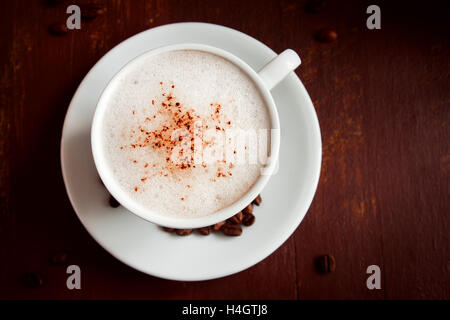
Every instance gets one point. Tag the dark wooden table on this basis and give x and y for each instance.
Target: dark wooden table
(383, 101)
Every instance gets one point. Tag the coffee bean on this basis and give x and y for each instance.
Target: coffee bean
(248, 220)
(58, 29)
(326, 35)
(92, 11)
(314, 6)
(204, 231)
(166, 229)
(218, 226)
(32, 280)
(183, 232)
(326, 264)
(232, 230)
(113, 202)
(59, 258)
(248, 209)
(257, 200)
(237, 218)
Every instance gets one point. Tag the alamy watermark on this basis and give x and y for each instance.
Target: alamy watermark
(374, 280)
(203, 147)
(74, 20)
(74, 280)
(374, 20)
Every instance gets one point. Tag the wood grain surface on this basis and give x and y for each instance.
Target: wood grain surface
(383, 101)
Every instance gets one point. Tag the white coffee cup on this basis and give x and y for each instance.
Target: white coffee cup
(267, 78)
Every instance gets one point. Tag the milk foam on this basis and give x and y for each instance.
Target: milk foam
(144, 102)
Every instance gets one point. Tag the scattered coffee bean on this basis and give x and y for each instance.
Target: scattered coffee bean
(314, 6)
(248, 209)
(90, 12)
(232, 230)
(257, 200)
(183, 232)
(326, 264)
(204, 231)
(58, 29)
(237, 218)
(113, 202)
(230, 227)
(59, 258)
(248, 220)
(218, 226)
(32, 280)
(326, 35)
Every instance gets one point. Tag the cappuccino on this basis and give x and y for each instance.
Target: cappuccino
(172, 133)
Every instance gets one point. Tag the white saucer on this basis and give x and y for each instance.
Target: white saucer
(144, 246)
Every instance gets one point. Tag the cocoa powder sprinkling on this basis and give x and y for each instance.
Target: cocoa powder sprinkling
(175, 117)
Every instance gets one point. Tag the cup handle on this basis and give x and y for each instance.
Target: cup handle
(277, 69)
